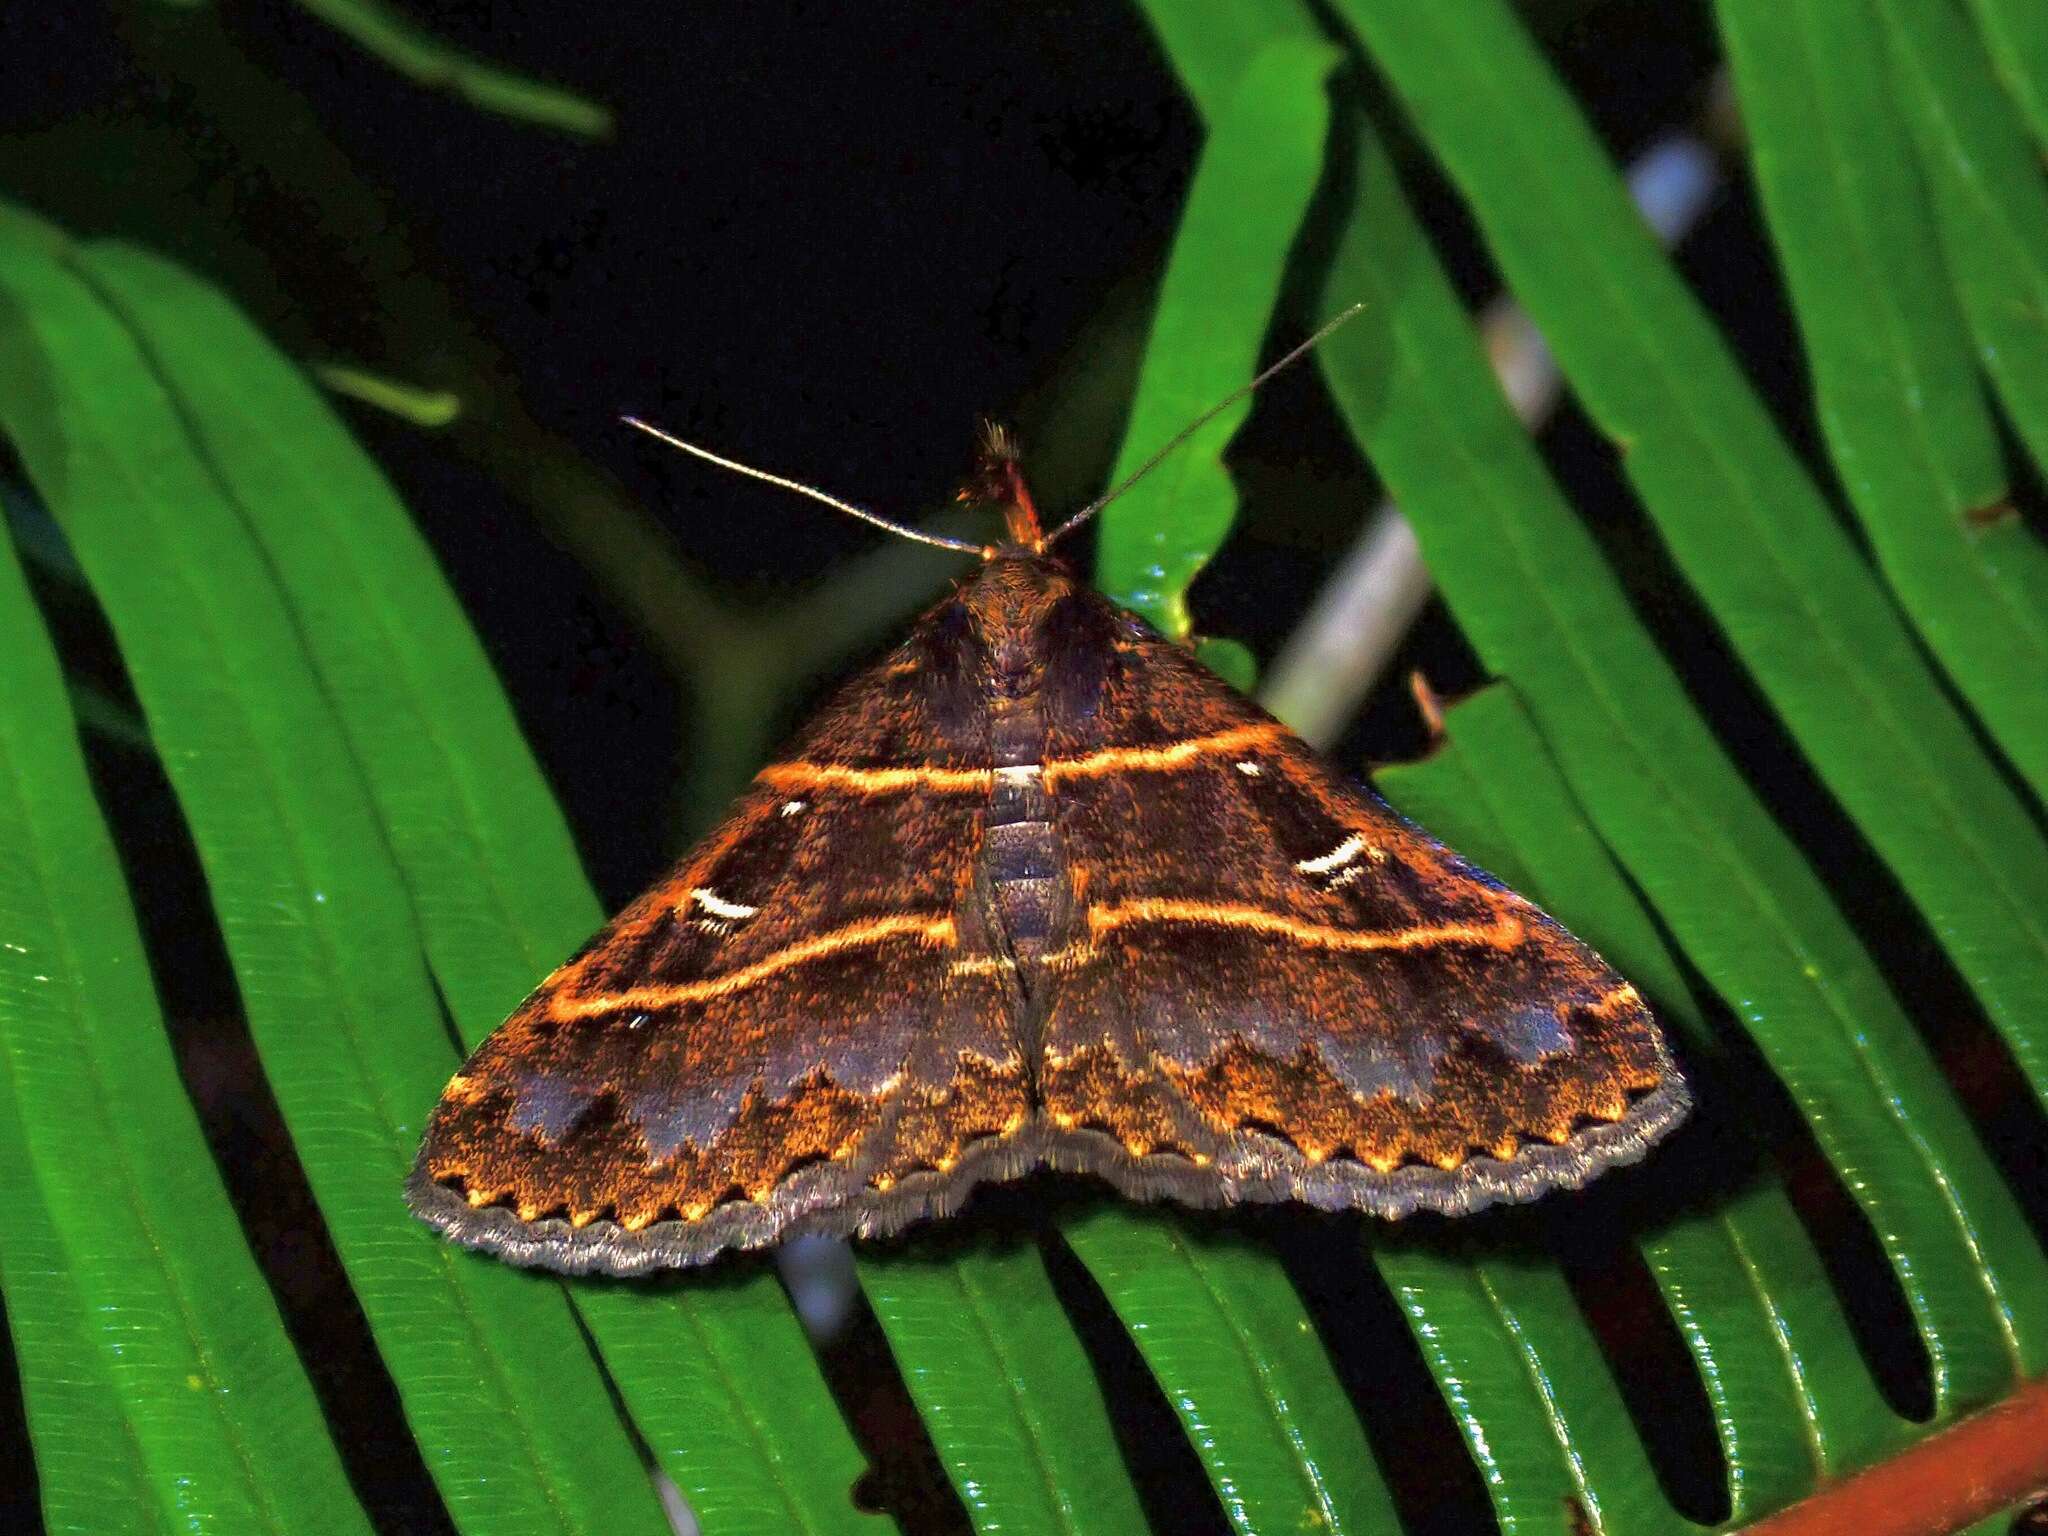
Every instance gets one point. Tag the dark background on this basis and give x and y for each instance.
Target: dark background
(826, 239)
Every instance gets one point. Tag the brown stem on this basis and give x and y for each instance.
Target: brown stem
(1949, 1480)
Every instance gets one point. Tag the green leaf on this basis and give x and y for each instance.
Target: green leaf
(2016, 31)
(426, 60)
(1513, 1355)
(721, 1380)
(1990, 207)
(1991, 213)
(140, 1321)
(2007, 1522)
(1006, 1389)
(1229, 660)
(1211, 47)
(1792, 1400)
(88, 1466)
(1746, 527)
(718, 1376)
(429, 408)
(1252, 187)
(1218, 1322)
(1533, 596)
(489, 1364)
(1894, 371)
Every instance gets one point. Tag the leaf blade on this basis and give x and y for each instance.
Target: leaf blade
(315, 923)
(2017, 35)
(426, 60)
(1792, 1399)
(1036, 1454)
(1533, 596)
(1791, 593)
(205, 1388)
(1220, 1326)
(1215, 304)
(1893, 370)
(488, 864)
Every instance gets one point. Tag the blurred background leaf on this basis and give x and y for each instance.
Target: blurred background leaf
(314, 725)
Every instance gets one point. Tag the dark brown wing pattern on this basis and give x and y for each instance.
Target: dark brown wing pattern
(806, 1026)
(1328, 1006)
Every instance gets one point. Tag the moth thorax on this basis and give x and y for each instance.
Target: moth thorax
(1016, 669)
(1007, 603)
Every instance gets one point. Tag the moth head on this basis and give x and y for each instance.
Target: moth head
(997, 480)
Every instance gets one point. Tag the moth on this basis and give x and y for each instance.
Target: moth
(1038, 889)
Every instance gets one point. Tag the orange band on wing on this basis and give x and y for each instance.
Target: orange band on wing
(876, 781)
(934, 931)
(872, 781)
(1123, 759)
(1504, 932)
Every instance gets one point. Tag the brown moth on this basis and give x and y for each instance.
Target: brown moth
(1039, 889)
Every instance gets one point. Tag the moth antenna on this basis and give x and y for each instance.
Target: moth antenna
(902, 530)
(1201, 421)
